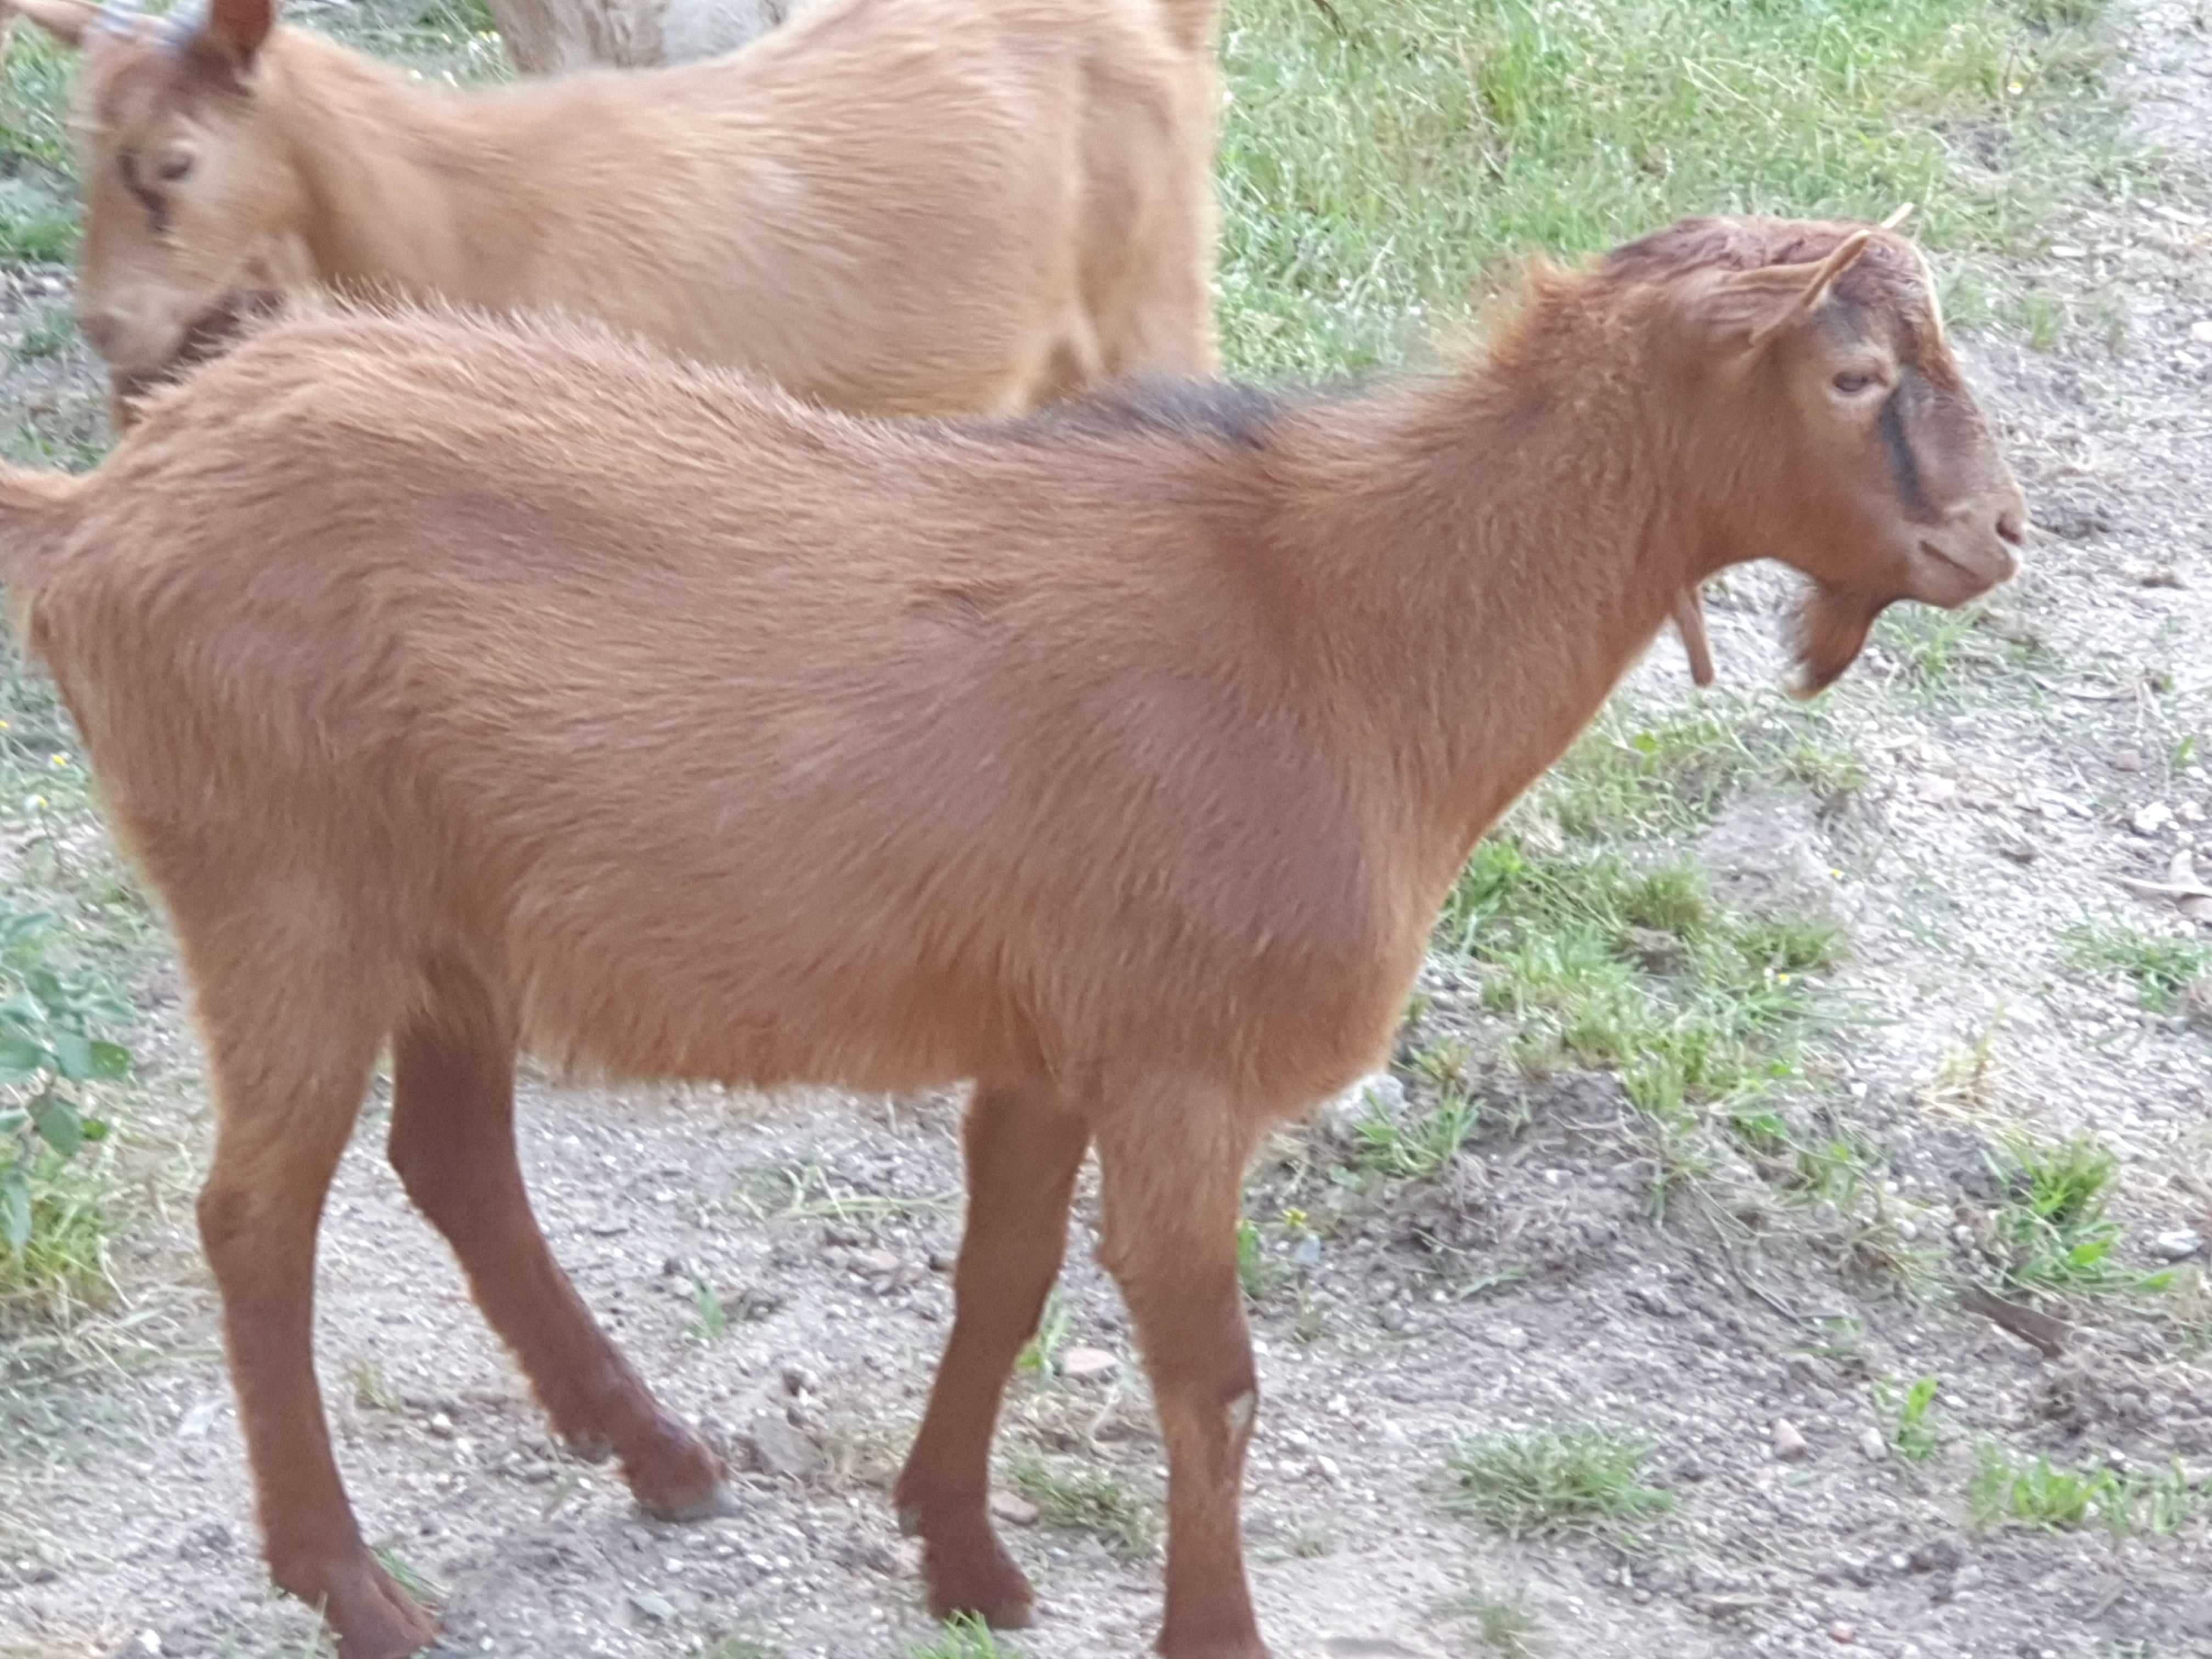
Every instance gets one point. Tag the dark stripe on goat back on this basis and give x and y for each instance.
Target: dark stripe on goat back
(1901, 459)
(1223, 409)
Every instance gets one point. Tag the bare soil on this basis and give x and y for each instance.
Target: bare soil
(1530, 1285)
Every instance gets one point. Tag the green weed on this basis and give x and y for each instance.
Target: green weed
(2162, 965)
(1088, 1500)
(1910, 1433)
(965, 1636)
(2039, 1494)
(1545, 1484)
(2051, 1232)
(1039, 1355)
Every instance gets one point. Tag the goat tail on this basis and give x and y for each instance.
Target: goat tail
(37, 510)
(1195, 24)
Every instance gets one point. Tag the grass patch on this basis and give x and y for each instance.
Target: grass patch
(1039, 1355)
(1368, 174)
(1637, 971)
(2162, 965)
(1506, 1625)
(49, 337)
(47, 236)
(2005, 1491)
(1910, 1433)
(1549, 1485)
(1088, 1500)
(2051, 1233)
(965, 1636)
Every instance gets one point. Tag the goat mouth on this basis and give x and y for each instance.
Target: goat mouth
(1978, 574)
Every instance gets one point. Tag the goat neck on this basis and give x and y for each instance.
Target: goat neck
(1490, 551)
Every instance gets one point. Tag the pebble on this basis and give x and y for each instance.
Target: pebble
(653, 1609)
(2151, 818)
(149, 1641)
(1013, 1509)
(1843, 1631)
(874, 1262)
(1789, 1445)
(2201, 332)
(1936, 1555)
(779, 1448)
(2179, 1244)
(1088, 1364)
(1379, 1095)
(1967, 1577)
(1874, 1445)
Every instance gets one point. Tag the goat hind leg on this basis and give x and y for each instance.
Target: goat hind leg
(1023, 1150)
(452, 1143)
(1172, 1170)
(280, 1130)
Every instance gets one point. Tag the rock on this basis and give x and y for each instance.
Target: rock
(1379, 1095)
(779, 1448)
(2201, 331)
(1843, 1631)
(1874, 1446)
(1936, 1555)
(1013, 1509)
(2177, 1245)
(2127, 760)
(2151, 818)
(1967, 1577)
(1789, 1445)
(653, 1609)
(874, 1263)
(796, 1381)
(441, 1426)
(1088, 1364)
(1659, 951)
(148, 1642)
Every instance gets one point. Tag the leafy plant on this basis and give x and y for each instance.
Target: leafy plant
(49, 1055)
(1540, 1486)
(1914, 1437)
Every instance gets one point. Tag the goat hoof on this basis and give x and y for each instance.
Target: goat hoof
(719, 1504)
(992, 1589)
(372, 1618)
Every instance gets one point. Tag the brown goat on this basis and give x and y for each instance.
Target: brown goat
(889, 206)
(489, 686)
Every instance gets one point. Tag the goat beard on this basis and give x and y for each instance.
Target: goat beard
(1829, 631)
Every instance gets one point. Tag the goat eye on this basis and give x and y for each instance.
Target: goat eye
(1851, 385)
(175, 166)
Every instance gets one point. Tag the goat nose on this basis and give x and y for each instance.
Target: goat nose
(104, 329)
(2012, 525)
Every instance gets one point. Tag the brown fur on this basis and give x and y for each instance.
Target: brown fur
(889, 206)
(486, 687)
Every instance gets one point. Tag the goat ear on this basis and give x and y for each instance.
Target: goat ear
(1832, 630)
(1690, 624)
(65, 20)
(231, 33)
(1812, 290)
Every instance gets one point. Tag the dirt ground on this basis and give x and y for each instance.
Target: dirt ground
(1528, 1286)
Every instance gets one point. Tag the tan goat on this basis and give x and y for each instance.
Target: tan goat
(481, 687)
(889, 206)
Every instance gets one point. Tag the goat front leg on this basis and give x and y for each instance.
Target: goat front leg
(1022, 1150)
(1172, 1164)
(280, 1131)
(452, 1143)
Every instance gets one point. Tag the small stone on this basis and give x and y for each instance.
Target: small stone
(1967, 1577)
(1379, 1095)
(1013, 1509)
(1789, 1445)
(2151, 818)
(441, 1426)
(1843, 1631)
(942, 1261)
(1874, 1446)
(653, 1609)
(779, 1448)
(1511, 1338)
(1088, 1364)
(874, 1263)
(2128, 760)
(148, 1642)
(796, 1381)
(2201, 331)
(2177, 1245)
(1936, 1555)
